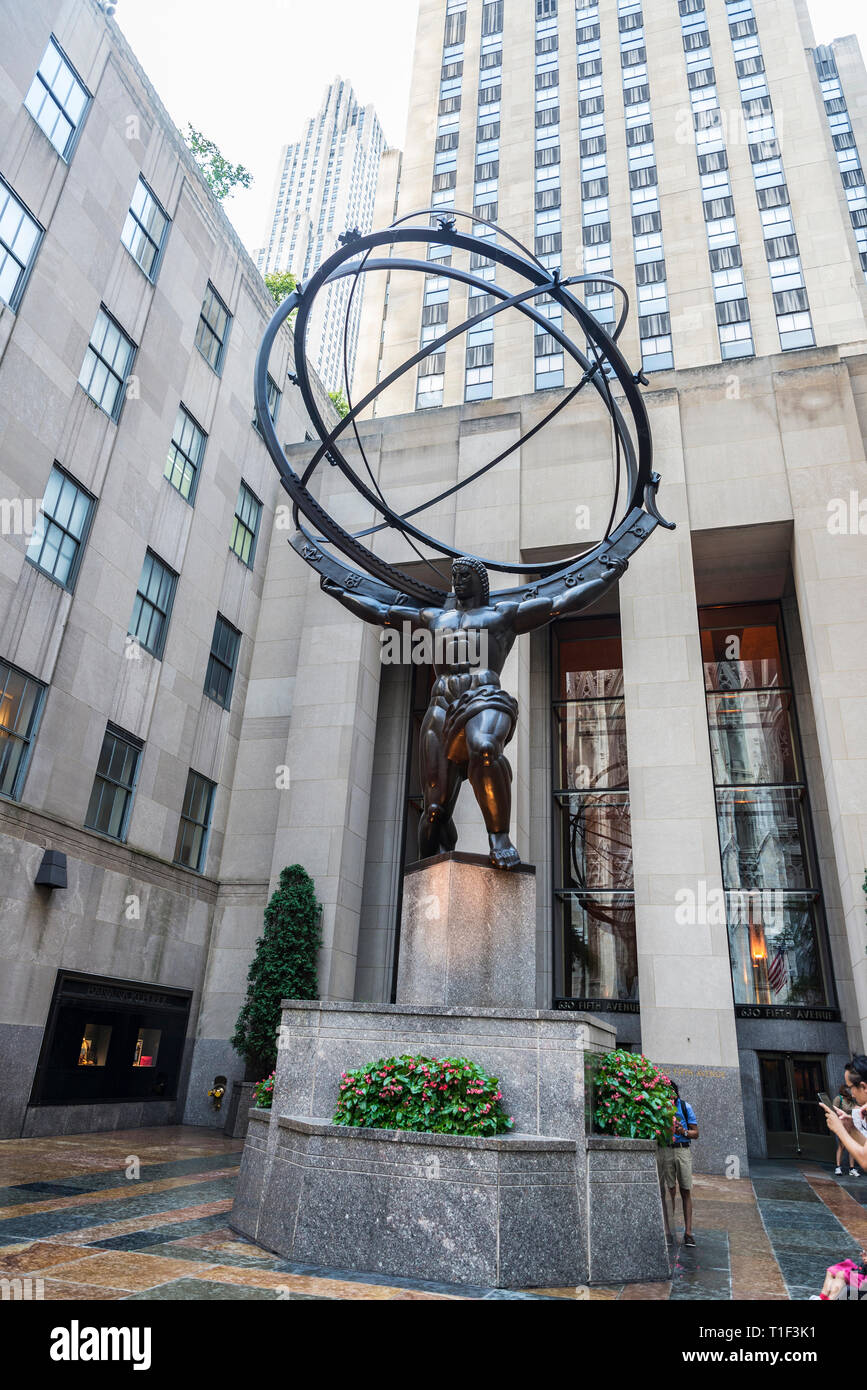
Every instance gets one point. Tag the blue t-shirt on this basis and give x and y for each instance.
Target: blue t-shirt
(685, 1113)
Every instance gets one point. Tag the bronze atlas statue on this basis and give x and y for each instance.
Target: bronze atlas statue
(470, 718)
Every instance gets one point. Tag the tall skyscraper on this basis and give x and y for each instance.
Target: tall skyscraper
(701, 152)
(326, 184)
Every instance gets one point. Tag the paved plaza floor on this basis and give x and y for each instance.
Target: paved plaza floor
(77, 1227)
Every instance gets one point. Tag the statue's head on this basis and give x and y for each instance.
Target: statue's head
(470, 581)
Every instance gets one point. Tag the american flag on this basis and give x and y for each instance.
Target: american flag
(777, 973)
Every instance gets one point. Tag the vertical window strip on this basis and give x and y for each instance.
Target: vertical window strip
(593, 165)
(431, 369)
(791, 305)
(479, 352)
(654, 319)
(548, 358)
(734, 325)
(848, 157)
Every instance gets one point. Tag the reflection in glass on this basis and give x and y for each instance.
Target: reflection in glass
(774, 949)
(742, 656)
(751, 738)
(597, 957)
(599, 937)
(775, 921)
(762, 838)
(596, 841)
(592, 744)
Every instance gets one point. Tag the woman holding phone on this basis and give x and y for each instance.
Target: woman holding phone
(843, 1101)
(851, 1132)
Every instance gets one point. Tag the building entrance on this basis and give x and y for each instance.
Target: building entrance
(794, 1120)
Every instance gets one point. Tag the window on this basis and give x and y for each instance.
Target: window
(106, 365)
(153, 604)
(220, 676)
(114, 784)
(185, 455)
(21, 699)
(195, 822)
(595, 955)
(60, 533)
(245, 525)
(57, 99)
(213, 329)
(773, 895)
(274, 395)
(144, 231)
(20, 235)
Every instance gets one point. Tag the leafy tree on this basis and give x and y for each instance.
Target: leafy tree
(222, 176)
(284, 967)
(341, 404)
(280, 284)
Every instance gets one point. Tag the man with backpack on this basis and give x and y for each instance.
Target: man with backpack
(675, 1164)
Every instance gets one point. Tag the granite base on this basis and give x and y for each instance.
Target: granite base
(501, 1212)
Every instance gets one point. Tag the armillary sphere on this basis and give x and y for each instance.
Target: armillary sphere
(342, 556)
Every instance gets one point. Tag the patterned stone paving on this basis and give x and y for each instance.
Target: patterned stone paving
(73, 1222)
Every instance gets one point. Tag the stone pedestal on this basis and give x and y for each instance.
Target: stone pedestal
(467, 934)
(506, 1212)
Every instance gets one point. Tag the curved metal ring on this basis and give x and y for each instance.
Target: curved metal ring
(642, 481)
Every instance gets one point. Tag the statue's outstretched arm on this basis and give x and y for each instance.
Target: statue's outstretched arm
(582, 595)
(536, 612)
(371, 610)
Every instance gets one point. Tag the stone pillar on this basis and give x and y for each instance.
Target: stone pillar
(323, 815)
(467, 934)
(827, 473)
(687, 1010)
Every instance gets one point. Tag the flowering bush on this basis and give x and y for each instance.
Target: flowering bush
(263, 1093)
(440, 1096)
(633, 1098)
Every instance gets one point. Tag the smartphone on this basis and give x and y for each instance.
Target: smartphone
(825, 1099)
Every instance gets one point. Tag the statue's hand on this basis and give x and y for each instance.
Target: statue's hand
(330, 586)
(616, 564)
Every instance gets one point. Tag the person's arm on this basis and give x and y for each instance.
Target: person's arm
(847, 1134)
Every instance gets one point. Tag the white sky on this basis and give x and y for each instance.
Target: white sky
(250, 74)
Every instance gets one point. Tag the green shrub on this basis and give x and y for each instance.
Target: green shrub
(284, 967)
(438, 1096)
(634, 1098)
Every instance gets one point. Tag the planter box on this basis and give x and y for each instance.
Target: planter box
(501, 1212)
(627, 1233)
(238, 1109)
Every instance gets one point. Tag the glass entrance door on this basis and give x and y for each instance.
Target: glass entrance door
(794, 1120)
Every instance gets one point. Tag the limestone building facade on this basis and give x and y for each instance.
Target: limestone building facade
(689, 763)
(136, 507)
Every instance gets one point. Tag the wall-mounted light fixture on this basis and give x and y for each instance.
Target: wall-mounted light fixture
(52, 870)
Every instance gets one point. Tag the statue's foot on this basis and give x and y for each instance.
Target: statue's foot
(437, 833)
(503, 852)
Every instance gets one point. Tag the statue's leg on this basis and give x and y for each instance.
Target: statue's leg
(441, 781)
(491, 779)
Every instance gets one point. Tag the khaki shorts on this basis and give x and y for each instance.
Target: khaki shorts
(675, 1167)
